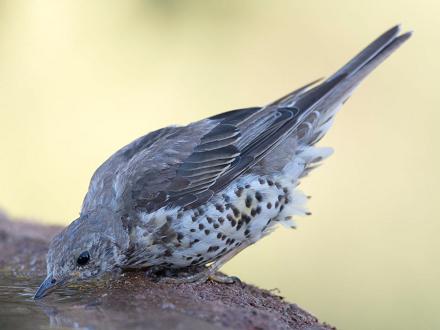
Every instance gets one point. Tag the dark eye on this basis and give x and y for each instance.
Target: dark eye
(83, 258)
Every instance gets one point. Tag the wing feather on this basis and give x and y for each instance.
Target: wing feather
(186, 166)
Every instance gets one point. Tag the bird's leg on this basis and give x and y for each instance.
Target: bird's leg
(224, 279)
(209, 272)
(189, 278)
(221, 278)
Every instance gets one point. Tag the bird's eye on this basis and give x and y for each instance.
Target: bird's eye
(83, 258)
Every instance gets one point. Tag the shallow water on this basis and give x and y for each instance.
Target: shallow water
(79, 308)
(18, 310)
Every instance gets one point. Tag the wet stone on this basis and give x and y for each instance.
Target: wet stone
(133, 301)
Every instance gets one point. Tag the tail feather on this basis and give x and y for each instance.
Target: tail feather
(318, 105)
(304, 115)
(369, 52)
(350, 75)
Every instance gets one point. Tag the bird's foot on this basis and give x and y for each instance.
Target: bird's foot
(198, 275)
(188, 278)
(224, 279)
(172, 276)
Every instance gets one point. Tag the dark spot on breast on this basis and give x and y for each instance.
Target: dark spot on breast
(248, 201)
(235, 210)
(247, 186)
(219, 235)
(245, 218)
(270, 182)
(281, 208)
(223, 237)
(285, 190)
(230, 217)
(258, 196)
(246, 232)
(269, 205)
(179, 236)
(220, 207)
(233, 223)
(193, 218)
(277, 204)
(239, 191)
(201, 226)
(258, 209)
(201, 211)
(169, 218)
(280, 198)
(277, 184)
(253, 212)
(168, 253)
(240, 224)
(216, 225)
(192, 230)
(207, 231)
(189, 258)
(261, 181)
(209, 219)
(221, 220)
(226, 197)
(213, 248)
(179, 215)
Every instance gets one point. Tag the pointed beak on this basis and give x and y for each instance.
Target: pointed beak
(48, 285)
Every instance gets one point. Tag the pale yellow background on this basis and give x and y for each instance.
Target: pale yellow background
(79, 79)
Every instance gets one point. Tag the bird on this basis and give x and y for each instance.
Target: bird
(181, 201)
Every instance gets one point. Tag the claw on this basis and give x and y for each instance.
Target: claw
(203, 273)
(192, 278)
(224, 279)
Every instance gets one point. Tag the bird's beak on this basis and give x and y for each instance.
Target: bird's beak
(48, 285)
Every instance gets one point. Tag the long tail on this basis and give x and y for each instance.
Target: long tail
(303, 116)
(318, 105)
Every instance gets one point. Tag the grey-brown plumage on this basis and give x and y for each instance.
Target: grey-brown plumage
(182, 198)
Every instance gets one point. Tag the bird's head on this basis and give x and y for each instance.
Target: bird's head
(86, 249)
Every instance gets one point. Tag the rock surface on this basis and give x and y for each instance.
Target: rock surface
(135, 302)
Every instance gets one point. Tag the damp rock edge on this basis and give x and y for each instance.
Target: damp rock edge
(208, 305)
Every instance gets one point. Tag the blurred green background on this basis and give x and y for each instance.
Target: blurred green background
(79, 79)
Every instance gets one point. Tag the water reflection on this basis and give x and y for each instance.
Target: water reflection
(84, 308)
